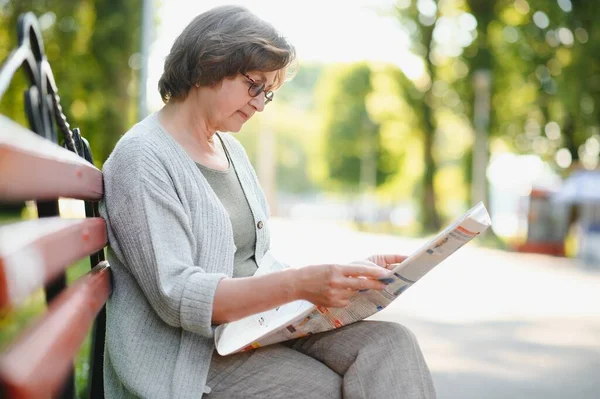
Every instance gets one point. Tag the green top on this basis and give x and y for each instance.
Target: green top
(226, 185)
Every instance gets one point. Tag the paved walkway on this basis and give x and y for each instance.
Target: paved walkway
(491, 324)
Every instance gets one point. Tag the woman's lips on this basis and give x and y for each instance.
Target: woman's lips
(244, 116)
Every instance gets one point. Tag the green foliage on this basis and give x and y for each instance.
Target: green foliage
(299, 91)
(543, 61)
(425, 24)
(290, 121)
(89, 45)
(546, 73)
(13, 322)
(391, 107)
(352, 141)
(364, 127)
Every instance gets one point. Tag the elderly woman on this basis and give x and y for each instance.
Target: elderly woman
(187, 226)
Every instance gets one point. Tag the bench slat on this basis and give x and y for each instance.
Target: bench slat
(32, 167)
(39, 361)
(34, 252)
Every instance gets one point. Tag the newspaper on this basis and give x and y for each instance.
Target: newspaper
(301, 318)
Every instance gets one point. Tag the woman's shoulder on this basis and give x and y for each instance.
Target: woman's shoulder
(140, 141)
(142, 150)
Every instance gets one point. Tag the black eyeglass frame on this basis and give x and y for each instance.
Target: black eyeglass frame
(258, 87)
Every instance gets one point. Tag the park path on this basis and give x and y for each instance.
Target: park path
(491, 324)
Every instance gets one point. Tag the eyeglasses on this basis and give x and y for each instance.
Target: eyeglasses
(258, 87)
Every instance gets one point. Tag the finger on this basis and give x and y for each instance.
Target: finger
(363, 271)
(386, 260)
(361, 284)
(365, 262)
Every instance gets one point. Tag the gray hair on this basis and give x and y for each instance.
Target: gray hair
(221, 43)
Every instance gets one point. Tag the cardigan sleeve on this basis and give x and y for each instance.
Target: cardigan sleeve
(150, 232)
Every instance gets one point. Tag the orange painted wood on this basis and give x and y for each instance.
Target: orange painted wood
(32, 167)
(36, 365)
(34, 252)
(548, 248)
(3, 287)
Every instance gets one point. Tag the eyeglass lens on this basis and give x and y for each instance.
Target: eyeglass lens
(258, 87)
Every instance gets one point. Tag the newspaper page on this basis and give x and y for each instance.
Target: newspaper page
(301, 318)
(243, 334)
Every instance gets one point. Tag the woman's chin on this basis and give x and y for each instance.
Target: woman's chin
(232, 128)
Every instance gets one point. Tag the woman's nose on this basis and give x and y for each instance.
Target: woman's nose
(258, 102)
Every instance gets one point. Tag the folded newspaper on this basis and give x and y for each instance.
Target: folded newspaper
(301, 318)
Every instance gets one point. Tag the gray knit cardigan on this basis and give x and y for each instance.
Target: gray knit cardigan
(170, 243)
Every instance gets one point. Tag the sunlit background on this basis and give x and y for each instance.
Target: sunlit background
(534, 124)
(402, 115)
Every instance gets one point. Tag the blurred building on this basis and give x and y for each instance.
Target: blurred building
(580, 193)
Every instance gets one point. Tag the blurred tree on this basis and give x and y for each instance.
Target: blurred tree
(352, 147)
(391, 107)
(423, 15)
(92, 47)
(299, 91)
(293, 120)
(480, 61)
(569, 75)
(115, 47)
(549, 79)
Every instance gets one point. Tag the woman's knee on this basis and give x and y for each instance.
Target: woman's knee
(394, 332)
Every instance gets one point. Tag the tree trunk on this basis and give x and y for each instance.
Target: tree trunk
(431, 218)
(482, 80)
(481, 66)
(429, 213)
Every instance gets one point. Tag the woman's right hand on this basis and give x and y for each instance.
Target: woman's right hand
(332, 285)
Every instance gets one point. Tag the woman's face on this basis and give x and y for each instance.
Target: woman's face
(234, 105)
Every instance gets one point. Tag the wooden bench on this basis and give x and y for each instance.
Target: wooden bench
(35, 253)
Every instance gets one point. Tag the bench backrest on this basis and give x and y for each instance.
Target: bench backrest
(35, 253)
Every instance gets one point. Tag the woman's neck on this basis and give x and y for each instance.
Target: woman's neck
(188, 125)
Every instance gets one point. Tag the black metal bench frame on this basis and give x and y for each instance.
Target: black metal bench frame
(43, 112)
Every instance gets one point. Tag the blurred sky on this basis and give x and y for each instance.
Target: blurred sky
(321, 30)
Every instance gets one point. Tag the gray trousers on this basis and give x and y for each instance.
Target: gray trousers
(368, 359)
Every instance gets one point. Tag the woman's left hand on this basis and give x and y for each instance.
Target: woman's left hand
(386, 261)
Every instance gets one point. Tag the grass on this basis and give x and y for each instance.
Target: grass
(82, 360)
